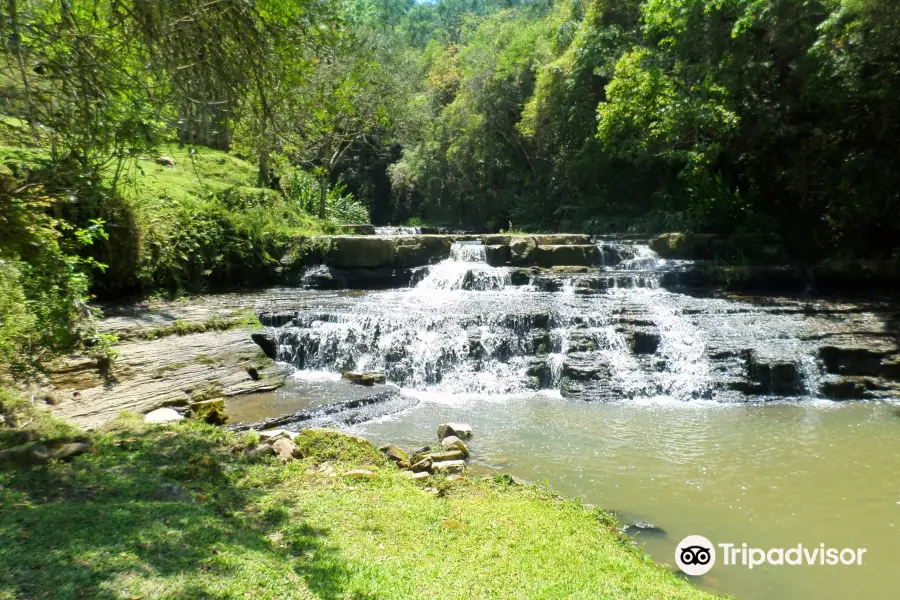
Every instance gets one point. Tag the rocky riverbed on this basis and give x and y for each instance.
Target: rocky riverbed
(490, 313)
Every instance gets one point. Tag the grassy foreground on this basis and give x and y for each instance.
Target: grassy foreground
(106, 525)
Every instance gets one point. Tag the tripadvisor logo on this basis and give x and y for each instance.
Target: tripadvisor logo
(695, 555)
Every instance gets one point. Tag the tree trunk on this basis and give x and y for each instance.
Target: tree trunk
(323, 192)
(263, 177)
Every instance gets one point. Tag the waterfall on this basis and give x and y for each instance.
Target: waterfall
(608, 334)
(465, 269)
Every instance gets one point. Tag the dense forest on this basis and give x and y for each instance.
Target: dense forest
(169, 145)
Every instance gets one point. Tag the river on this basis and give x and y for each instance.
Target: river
(702, 415)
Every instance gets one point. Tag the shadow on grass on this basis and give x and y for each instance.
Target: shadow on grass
(160, 507)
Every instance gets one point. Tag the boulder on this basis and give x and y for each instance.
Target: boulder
(453, 443)
(566, 255)
(502, 239)
(460, 430)
(644, 342)
(422, 465)
(163, 415)
(772, 377)
(359, 474)
(540, 371)
(644, 529)
(418, 476)
(273, 434)
(266, 343)
(395, 454)
(854, 361)
(519, 277)
(437, 457)
(496, 256)
(450, 466)
(210, 411)
(421, 250)
(259, 451)
(286, 450)
(420, 454)
(522, 250)
(360, 251)
(368, 378)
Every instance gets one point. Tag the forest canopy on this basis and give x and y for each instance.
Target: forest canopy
(594, 115)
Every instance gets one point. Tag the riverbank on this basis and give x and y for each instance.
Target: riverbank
(180, 511)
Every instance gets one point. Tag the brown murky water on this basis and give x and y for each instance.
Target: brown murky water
(766, 475)
(773, 475)
(667, 435)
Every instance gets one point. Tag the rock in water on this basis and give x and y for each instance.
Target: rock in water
(266, 343)
(349, 251)
(163, 415)
(776, 377)
(368, 378)
(644, 528)
(453, 443)
(210, 411)
(449, 466)
(645, 342)
(460, 430)
(423, 465)
(443, 456)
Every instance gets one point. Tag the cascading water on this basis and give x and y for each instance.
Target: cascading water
(610, 335)
(466, 269)
(671, 434)
(397, 230)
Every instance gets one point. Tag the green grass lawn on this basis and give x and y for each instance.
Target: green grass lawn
(100, 527)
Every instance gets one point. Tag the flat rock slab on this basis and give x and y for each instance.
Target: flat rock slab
(170, 371)
(337, 415)
(175, 369)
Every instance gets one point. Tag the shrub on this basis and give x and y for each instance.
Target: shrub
(43, 276)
